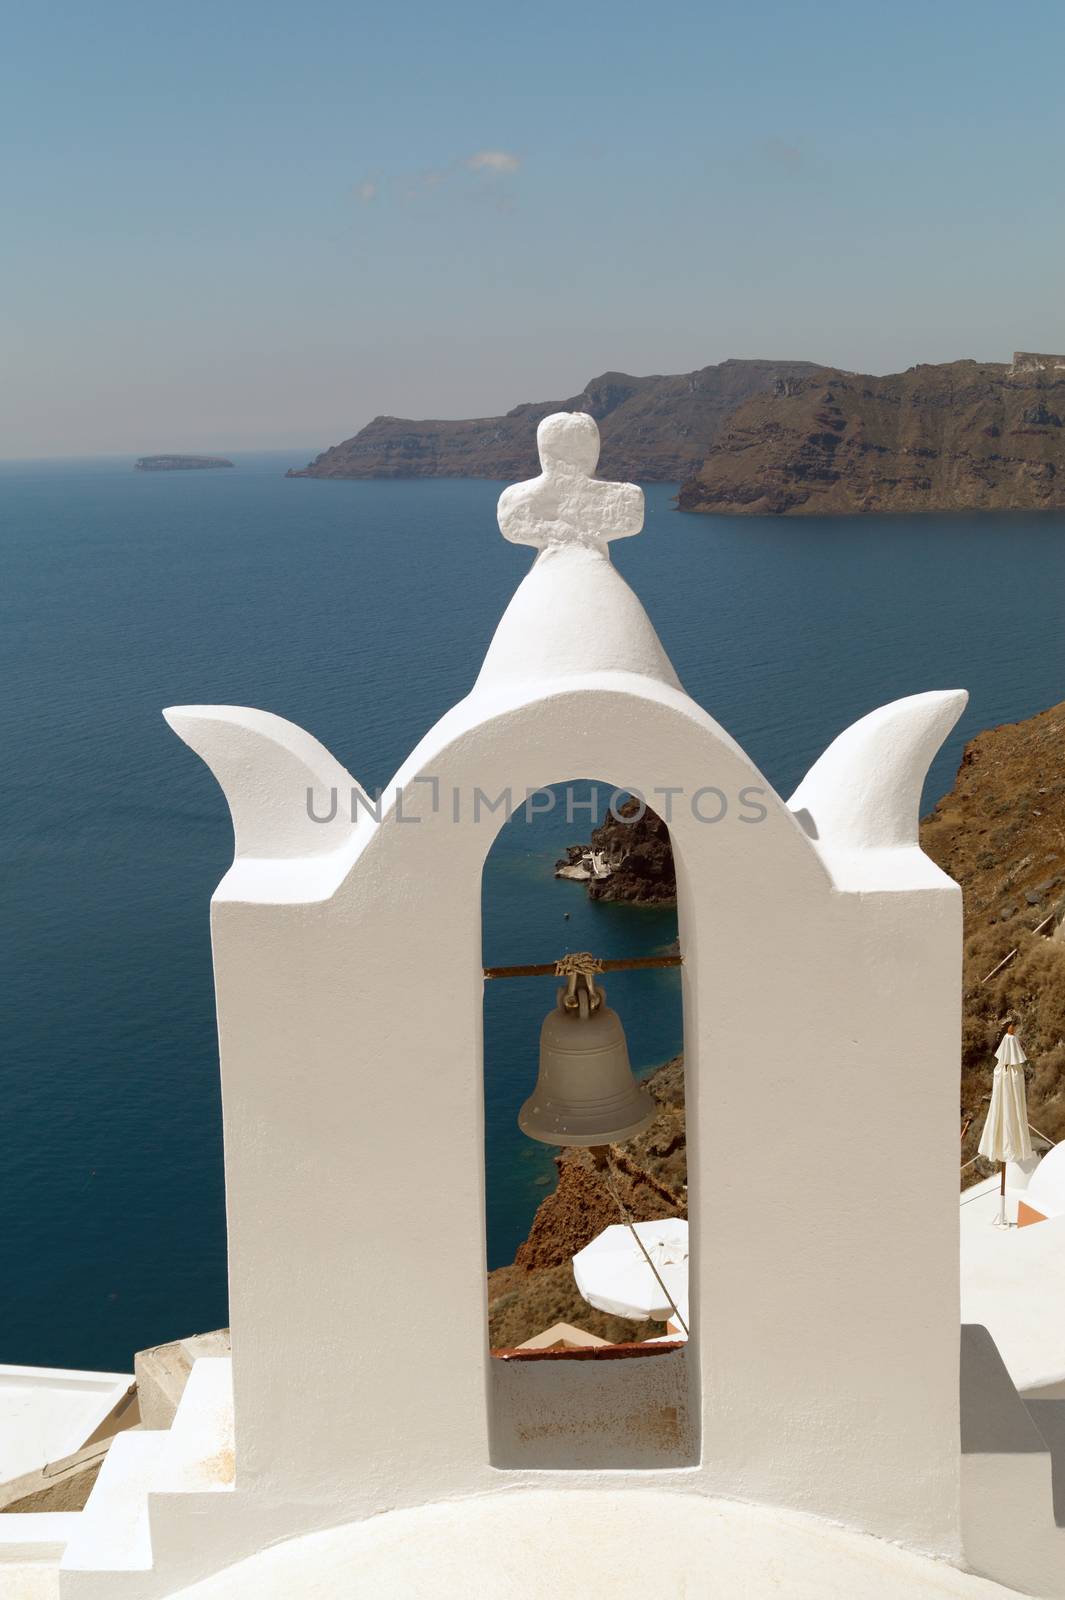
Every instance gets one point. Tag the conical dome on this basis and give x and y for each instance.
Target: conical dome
(573, 613)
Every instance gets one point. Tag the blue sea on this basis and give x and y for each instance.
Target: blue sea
(362, 611)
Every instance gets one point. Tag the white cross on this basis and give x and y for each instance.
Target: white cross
(566, 505)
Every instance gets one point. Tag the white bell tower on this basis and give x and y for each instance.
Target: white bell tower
(821, 976)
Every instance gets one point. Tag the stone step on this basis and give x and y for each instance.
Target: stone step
(31, 1544)
(197, 1457)
(149, 1498)
(196, 1465)
(28, 1536)
(1049, 1418)
(112, 1535)
(30, 1580)
(163, 1371)
(1009, 1531)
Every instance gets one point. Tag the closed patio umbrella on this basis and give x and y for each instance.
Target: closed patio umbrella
(1005, 1136)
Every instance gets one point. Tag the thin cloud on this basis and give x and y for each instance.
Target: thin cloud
(413, 186)
(778, 153)
(426, 181)
(493, 161)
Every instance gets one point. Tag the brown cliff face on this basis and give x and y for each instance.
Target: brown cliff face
(654, 430)
(964, 436)
(1000, 833)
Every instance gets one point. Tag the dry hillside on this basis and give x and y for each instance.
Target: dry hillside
(961, 436)
(1001, 834)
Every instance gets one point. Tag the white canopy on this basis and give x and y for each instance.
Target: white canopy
(612, 1272)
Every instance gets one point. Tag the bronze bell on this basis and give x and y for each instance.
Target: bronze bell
(585, 1092)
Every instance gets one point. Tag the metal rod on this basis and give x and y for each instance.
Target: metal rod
(607, 1169)
(1001, 964)
(549, 969)
(1037, 929)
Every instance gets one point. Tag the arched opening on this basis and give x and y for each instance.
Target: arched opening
(585, 867)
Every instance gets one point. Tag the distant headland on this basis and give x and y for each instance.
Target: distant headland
(653, 430)
(179, 463)
(792, 438)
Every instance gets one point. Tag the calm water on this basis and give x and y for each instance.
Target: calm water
(126, 592)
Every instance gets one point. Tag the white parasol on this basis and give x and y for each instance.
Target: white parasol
(1005, 1136)
(640, 1277)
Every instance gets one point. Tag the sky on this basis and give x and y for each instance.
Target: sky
(246, 226)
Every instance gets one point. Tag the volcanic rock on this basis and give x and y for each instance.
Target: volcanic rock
(962, 436)
(654, 430)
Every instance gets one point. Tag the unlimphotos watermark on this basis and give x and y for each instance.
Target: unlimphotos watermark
(427, 796)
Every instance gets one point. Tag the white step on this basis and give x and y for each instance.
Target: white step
(1049, 1418)
(31, 1544)
(196, 1466)
(29, 1580)
(112, 1533)
(198, 1454)
(141, 1531)
(1008, 1527)
(36, 1535)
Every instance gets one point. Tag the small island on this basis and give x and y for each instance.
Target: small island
(179, 463)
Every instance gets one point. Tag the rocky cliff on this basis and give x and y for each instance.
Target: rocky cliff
(635, 847)
(654, 430)
(1001, 834)
(964, 436)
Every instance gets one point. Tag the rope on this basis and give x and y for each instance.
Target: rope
(608, 1178)
(1032, 1128)
(581, 964)
(550, 969)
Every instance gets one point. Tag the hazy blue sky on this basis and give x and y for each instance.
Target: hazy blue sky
(241, 225)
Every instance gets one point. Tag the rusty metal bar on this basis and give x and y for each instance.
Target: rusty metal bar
(549, 969)
(594, 1352)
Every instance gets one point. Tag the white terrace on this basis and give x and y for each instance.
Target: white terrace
(820, 1433)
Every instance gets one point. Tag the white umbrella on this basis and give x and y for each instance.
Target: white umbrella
(1005, 1136)
(645, 1276)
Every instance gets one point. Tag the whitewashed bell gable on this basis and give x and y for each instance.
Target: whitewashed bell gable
(821, 979)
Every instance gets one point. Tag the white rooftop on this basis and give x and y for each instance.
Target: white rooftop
(1013, 1282)
(47, 1413)
(602, 1546)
